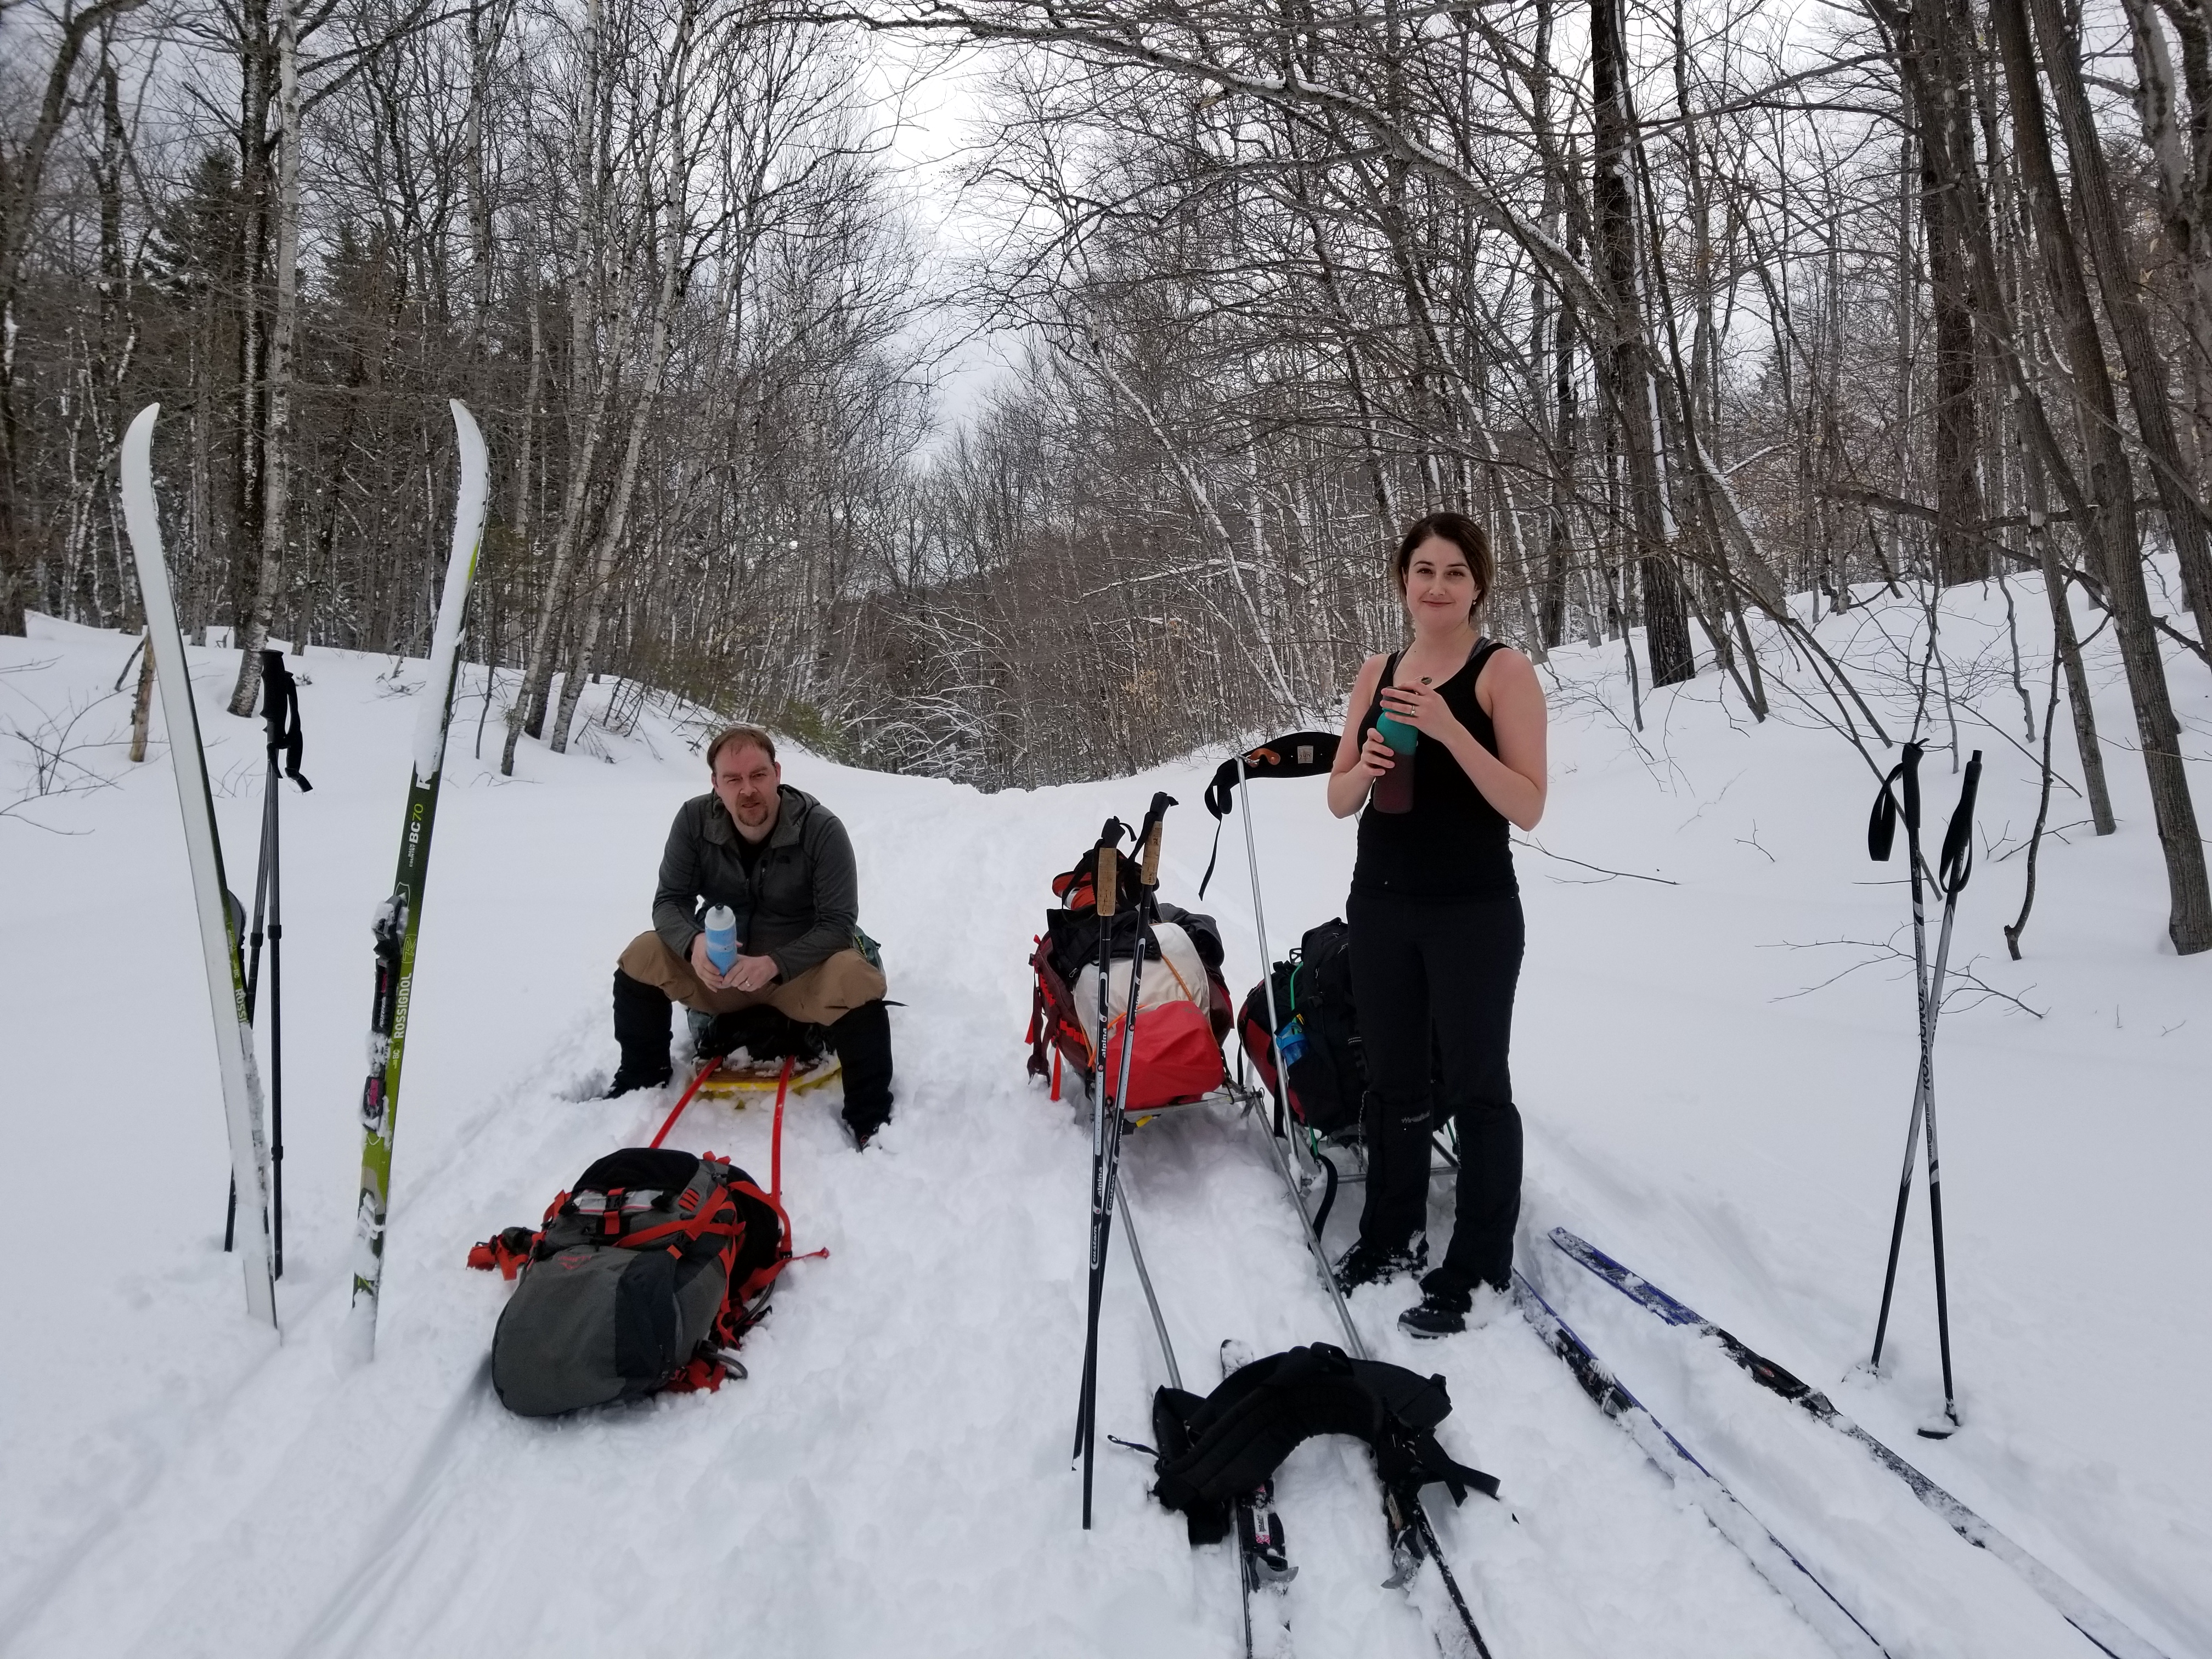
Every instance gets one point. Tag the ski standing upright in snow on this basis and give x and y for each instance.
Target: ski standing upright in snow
(219, 914)
(2108, 1633)
(398, 922)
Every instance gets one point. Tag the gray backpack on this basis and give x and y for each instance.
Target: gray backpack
(645, 1276)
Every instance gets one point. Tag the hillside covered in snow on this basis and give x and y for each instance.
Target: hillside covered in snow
(1714, 1057)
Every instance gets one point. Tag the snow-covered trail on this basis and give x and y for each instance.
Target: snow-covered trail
(893, 1476)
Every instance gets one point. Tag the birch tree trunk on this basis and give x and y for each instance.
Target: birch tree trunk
(590, 384)
(277, 443)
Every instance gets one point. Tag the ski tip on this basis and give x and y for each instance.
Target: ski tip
(466, 424)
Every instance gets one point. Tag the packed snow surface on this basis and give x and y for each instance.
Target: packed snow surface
(1713, 1055)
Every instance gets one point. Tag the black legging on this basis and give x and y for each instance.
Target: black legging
(1433, 982)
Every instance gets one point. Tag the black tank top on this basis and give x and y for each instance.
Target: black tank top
(1454, 844)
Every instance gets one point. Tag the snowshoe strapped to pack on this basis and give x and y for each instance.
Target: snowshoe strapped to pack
(1313, 999)
(642, 1276)
(1236, 1437)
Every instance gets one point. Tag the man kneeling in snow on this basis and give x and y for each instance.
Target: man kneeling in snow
(781, 861)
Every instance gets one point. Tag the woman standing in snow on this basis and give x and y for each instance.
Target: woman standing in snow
(1435, 917)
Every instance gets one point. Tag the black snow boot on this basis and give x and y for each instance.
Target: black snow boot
(863, 1042)
(1365, 1264)
(641, 1019)
(1435, 1316)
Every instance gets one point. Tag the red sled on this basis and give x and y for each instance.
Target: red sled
(1177, 1058)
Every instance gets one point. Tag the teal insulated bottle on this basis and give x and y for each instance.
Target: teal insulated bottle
(1394, 790)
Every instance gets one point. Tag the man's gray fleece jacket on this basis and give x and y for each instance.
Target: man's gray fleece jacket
(802, 903)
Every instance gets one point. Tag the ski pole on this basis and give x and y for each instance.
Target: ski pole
(253, 995)
(1104, 880)
(1148, 875)
(1266, 958)
(1956, 868)
(275, 1024)
(1880, 835)
(1144, 1279)
(264, 876)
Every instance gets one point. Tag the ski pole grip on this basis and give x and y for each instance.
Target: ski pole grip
(1910, 769)
(1107, 858)
(1149, 870)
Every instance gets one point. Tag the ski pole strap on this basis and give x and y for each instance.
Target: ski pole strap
(1881, 822)
(279, 708)
(1958, 862)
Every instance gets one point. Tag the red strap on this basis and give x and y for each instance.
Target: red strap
(509, 1250)
(699, 1372)
(705, 1072)
(775, 1154)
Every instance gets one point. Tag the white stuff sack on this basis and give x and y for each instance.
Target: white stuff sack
(1178, 976)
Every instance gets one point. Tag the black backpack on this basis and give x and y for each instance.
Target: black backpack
(1328, 1081)
(1212, 1449)
(645, 1276)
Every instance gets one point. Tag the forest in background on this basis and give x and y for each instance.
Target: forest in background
(1695, 306)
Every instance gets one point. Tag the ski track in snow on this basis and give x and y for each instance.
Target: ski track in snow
(893, 1477)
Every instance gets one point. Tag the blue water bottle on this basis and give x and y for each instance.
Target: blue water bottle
(1291, 1039)
(722, 937)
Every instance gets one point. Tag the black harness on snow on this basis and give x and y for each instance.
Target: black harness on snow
(1210, 1450)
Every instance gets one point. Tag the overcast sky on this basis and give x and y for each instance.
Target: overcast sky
(936, 98)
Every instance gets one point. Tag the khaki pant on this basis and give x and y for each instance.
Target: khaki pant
(821, 995)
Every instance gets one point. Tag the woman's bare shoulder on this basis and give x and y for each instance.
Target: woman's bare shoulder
(1511, 662)
(1506, 670)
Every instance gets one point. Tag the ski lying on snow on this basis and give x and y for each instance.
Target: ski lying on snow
(1816, 1604)
(398, 922)
(219, 923)
(1263, 1563)
(1411, 1533)
(2106, 1632)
